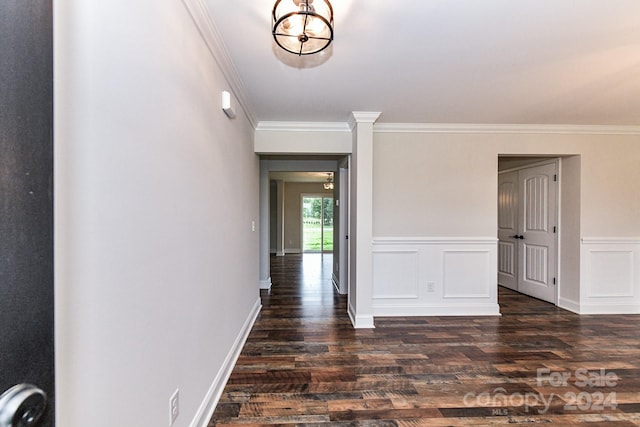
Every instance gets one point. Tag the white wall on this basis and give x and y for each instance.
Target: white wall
(156, 190)
(449, 180)
(435, 213)
(302, 138)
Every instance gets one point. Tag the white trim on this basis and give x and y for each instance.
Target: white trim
(434, 240)
(212, 38)
(265, 284)
(609, 309)
(505, 129)
(611, 240)
(336, 282)
(362, 321)
(569, 304)
(363, 117)
(208, 405)
(439, 310)
(351, 312)
(303, 127)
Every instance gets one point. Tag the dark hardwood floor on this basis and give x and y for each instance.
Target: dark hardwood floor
(304, 364)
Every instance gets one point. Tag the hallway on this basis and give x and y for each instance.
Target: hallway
(304, 364)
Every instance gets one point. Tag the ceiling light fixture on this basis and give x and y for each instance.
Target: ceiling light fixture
(329, 184)
(303, 27)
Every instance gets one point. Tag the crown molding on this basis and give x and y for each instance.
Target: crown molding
(303, 126)
(365, 116)
(207, 28)
(506, 129)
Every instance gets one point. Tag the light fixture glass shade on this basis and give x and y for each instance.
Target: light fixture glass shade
(303, 27)
(329, 184)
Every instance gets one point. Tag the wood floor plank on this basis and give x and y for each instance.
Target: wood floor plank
(304, 365)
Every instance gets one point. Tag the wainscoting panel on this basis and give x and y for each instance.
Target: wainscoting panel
(387, 283)
(610, 276)
(467, 274)
(435, 276)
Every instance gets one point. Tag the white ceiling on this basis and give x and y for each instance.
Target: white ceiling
(570, 62)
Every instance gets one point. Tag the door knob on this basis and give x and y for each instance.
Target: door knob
(521, 237)
(22, 406)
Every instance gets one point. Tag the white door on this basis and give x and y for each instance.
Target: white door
(508, 229)
(537, 232)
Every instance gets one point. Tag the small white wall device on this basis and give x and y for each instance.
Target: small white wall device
(226, 105)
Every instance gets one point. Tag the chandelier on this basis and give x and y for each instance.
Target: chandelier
(303, 27)
(329, 184)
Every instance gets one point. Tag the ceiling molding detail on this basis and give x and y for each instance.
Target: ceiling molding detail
(505, 129)
(202, 19)
(303, 126)
(365, 116)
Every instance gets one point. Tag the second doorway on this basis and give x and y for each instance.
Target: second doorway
(317, 223)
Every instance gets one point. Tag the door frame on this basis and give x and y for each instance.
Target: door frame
(287, 163)
(547, 160)
(342, 236)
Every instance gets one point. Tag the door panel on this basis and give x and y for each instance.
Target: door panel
(26, 197)
(538, 247)
(507, 228)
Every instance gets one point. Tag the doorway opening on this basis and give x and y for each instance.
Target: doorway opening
(527, 229)
(284, 182)
(317, 223)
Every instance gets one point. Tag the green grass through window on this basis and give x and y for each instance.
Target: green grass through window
(312, 236)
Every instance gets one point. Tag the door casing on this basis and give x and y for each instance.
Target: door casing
(528, 242)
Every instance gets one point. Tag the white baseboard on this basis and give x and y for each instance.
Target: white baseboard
(569, 304)
(361, 322)
(208, 405)
(265, 284)
(336, 284)
(609, 309)
(438, 310)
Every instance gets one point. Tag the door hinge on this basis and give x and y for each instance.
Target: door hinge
(554, 280)
(555, 177)
(554, 229)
